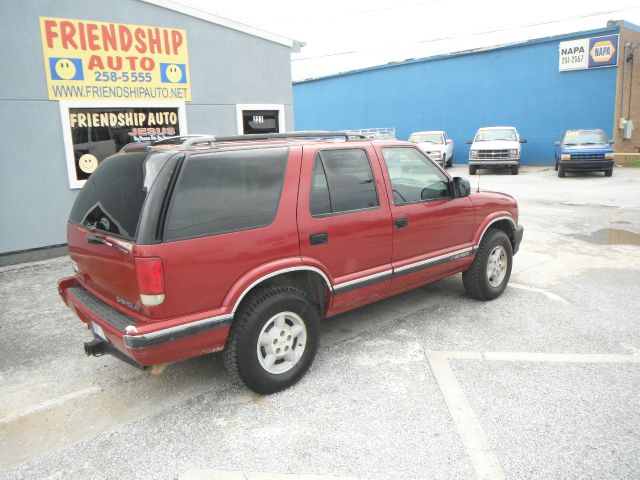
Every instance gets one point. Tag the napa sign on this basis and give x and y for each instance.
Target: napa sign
(587, 53)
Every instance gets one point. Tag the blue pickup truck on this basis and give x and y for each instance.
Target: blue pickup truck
(584, 151)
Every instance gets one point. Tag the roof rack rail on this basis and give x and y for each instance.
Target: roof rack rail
(135, 147)
(302, 134)
(205, 140)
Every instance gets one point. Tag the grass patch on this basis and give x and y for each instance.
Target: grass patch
(628, 160)
(633, 163)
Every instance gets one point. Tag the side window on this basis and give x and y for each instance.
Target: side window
(226, 192)
(414, 178)
(342, 181)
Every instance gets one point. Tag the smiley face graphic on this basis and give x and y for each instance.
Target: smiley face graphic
(65, 69)
(88, 163)
(174, 73)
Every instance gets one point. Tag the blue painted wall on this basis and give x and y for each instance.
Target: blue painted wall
(517, 85)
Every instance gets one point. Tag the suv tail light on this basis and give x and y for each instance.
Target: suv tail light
(150, 277)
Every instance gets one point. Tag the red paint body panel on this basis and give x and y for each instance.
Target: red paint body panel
(106, 270)
(359, 242)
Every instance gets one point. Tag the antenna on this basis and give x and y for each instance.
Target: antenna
(478, 172)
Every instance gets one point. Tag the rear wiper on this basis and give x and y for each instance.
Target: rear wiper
(103, 241)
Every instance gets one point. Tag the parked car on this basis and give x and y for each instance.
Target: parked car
(436, 144)
(242, 244)
(495, 147)
(584, 151)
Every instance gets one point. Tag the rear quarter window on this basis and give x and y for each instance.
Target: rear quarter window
(226, 192)
(112, 199)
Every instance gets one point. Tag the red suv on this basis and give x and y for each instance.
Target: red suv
(243, 244)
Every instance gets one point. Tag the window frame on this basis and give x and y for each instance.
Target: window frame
(318, 156)
(449, 180)
(66, 105)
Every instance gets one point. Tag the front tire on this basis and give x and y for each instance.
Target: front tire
(489, 273)
(444, 161)
(608, 172)
(514, 169)
(450, 161)
(472, 169)
(561, 172)
(273, 340)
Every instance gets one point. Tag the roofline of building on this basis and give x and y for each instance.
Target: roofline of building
(624, 24)
(609, 29)
(294, 45)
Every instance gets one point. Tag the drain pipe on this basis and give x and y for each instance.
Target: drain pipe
(632, 58)
(624, 69)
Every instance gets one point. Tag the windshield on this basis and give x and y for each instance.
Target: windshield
(488, 134)
(584, 137)
(111, 201)
(426, 137)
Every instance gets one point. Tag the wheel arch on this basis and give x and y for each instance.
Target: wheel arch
(502, 222)
(310, 279)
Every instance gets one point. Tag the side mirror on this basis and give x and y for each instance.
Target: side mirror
(523, 140)
(469, 142)
(461, 187)
(450, 141)
(557, 144)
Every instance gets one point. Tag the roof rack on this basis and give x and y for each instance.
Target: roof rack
(204, 140)
(187, 142)
(302, 134)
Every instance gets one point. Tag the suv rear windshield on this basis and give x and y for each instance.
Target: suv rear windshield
(226, 192)
(112, 198)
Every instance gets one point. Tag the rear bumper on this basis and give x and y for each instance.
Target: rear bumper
(586, 165)
(146, 343)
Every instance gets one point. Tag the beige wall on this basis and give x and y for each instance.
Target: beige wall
(633, 89)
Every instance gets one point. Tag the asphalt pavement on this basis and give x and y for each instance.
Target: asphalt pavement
(543, 382)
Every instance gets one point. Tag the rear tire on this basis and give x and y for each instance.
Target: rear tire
(273, 340)
(608, 173)
(489, 273)
(472, 169)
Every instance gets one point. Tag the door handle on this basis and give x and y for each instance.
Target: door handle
(401, 222)
(319, 238)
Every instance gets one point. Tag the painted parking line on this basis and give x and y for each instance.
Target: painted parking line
(240, 475)
(469, 428)
(47, 404)
(546, 293)
(467, 424)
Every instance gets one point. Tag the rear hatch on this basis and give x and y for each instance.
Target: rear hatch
(104, 223)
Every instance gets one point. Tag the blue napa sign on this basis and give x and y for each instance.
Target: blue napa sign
(587, 53)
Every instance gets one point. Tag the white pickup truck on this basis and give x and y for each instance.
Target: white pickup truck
(436, 144)
(495, 147)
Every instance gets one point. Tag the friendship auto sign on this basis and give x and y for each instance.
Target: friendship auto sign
(587, 53)
(91, 60)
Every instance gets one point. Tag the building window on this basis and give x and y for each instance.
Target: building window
(260, 118)
(93, 132)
